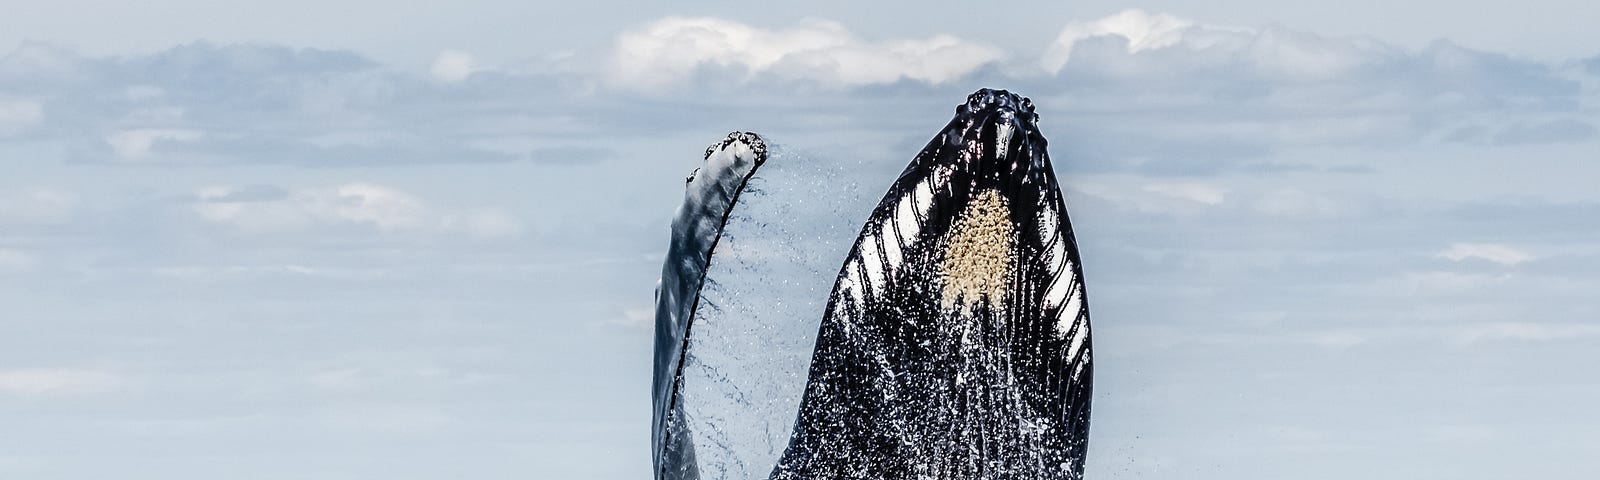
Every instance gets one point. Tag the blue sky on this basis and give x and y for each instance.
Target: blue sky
(1330, 241)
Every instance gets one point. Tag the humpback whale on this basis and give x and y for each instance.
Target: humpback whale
(953, 343)
(956, 340)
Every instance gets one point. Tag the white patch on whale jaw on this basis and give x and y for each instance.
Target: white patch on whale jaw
(978, 263)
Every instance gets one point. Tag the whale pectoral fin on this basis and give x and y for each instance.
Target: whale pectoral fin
(709, 195)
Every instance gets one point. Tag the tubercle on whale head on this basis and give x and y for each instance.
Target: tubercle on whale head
(998, 133)
(999, 100)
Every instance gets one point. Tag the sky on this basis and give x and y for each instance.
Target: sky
(353, 240)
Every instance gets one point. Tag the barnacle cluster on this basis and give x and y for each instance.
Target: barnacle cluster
(977, 260)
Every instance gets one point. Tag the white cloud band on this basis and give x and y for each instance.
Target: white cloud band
(672, 50)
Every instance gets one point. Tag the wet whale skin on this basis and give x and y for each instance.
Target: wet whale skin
(955, 343)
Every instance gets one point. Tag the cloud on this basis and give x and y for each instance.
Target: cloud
(1161, 198)
(36, 205)
(1440, 283)
(206, 70)
(390, 418)
(1292, 202)
(1523, 132)
(1159, 94)
(32, 63)
(1135, 45)
(1194, 192)
(673, 50)
(1170, 52)
(1223, 202)
(356, 378)
(1496, 253)
(634, 318)
(245, 194)
(199, 147)
(1554, 131)
(1462, 433)
(35, 382)
(17, 116)
(362, 206)
(1142, 31)
(1134, 92)
(453, 66)
(1526, 331)
(134, 145)
(210, 104)
(12, 260)
(1337, 340)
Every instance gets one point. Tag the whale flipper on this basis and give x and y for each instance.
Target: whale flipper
(754, 252)
(955, 343)
(709, 196)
